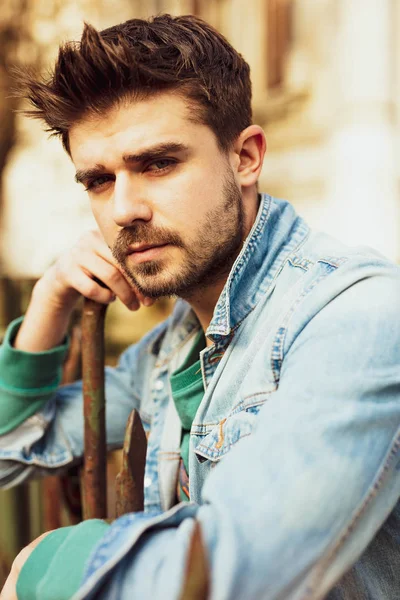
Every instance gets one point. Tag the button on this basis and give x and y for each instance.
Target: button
(159, 384)
(147, 482)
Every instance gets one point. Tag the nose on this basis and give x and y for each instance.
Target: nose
(129, 203)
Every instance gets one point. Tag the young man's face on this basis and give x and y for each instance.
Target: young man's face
(163, 194)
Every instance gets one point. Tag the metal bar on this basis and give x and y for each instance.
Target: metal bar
(196, 585)
(94, 492)
(129, 481)
(51, 502)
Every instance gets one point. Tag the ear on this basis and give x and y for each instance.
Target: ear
(249, 148)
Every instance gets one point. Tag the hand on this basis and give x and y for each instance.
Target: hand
(9, 590)
(77, 270)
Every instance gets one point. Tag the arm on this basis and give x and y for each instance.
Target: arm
(31, 358)
(53, 436)
(293, 506)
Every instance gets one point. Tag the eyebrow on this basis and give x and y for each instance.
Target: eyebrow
(155, 152)
(151, 153)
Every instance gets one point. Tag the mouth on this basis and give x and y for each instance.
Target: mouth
(143, 247)
(143, 252)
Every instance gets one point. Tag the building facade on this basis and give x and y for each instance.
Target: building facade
(326, 89)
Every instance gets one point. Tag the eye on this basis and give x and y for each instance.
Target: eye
(160, 165)
(98, 182)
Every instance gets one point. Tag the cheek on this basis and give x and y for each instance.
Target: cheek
(104, 222)
(190, 197)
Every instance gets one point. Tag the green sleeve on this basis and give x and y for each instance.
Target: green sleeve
(54, 570)
(27, 379)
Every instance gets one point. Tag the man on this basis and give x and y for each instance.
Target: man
(271, 395)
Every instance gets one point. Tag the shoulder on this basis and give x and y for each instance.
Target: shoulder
(332, 269)
(353, 292)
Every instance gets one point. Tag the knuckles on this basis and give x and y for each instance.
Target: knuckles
(90, 290)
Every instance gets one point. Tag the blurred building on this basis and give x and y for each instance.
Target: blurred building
(326, 81)
(326, 89)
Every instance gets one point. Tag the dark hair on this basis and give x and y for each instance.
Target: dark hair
(140, 58)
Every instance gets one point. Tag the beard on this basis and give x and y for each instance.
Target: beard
(206, 260)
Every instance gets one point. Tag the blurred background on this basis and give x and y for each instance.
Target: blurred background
(326, 89)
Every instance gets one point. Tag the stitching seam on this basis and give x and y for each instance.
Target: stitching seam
(277, 347)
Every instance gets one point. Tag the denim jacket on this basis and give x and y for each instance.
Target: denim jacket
(294, 459)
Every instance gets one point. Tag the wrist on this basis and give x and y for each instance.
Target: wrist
(46, 321)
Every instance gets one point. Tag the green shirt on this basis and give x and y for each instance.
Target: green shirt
(187, 391)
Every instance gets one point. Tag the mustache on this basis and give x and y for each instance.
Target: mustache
(141, 233)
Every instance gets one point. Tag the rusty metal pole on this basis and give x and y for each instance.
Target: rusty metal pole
(94, 492)
(129, 481)
(196, 584)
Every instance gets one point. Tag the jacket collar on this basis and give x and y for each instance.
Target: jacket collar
(275, 234)
(277, 231)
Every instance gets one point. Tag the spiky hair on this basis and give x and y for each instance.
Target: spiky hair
(138, 59)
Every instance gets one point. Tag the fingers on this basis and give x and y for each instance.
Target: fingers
(104, 252)
(145, 300)
(90, 269)
(117, 285)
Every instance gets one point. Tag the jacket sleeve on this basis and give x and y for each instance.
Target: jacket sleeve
(41, 421)
(294, 505)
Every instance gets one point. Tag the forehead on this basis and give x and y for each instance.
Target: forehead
(132, 125)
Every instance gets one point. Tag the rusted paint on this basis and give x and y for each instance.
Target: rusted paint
(130, 479)
(94, 471)
(196, 584)
(51, 498)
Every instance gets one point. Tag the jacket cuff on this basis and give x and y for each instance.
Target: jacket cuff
(55, 567)
(29, 373)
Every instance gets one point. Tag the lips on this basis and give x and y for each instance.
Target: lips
(145, 252)
(143, 248)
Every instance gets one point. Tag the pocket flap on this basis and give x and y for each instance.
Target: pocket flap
(239, 424)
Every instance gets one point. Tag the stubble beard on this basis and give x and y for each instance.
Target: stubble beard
(207, 261)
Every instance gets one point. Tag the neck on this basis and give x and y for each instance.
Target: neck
(204, 301)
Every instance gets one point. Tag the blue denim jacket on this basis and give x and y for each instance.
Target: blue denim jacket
(295, 449)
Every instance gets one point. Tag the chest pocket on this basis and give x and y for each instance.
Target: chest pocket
(229, 431)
